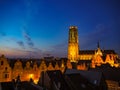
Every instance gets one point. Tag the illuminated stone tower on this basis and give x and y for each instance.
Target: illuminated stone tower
(73, 44)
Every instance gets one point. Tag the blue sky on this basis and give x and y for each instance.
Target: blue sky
(35, 28)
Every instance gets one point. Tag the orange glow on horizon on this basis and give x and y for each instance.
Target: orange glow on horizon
(13, 52)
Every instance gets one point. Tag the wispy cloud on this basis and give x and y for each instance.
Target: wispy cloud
(33, 51)
(18, 42)
(30, 43)
(28, 39)
(21, 44)
(19, 53)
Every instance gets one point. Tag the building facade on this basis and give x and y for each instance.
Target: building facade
(27, 71)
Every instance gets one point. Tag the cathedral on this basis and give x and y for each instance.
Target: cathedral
(97, 57)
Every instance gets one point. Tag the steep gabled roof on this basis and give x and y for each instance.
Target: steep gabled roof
(57, 77)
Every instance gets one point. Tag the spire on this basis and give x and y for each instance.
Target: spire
(98, 45)
(99, 50)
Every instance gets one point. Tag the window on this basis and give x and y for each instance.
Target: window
(1, 62)
(6, 68)
(6, 75)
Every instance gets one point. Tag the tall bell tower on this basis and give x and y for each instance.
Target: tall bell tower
(73, 44)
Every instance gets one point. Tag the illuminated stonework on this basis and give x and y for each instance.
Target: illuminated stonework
(95, 56)
(73, 47)
(98, 61)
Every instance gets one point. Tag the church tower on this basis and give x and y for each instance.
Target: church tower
(73, 44)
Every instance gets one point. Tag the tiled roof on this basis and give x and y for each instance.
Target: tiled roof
(109, 51)
(110, 73)
(78, 82)
(93, 77)
(82, 52)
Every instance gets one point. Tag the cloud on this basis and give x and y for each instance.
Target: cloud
(33, 51)
(18, 42)
(12, 52)
(21, 44)
(28, 39)
(18, 53)
(30, 44)
(26, 36)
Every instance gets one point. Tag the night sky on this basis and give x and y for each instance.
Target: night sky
(38, 28)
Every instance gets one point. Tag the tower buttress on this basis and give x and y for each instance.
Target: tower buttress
(73, 44)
